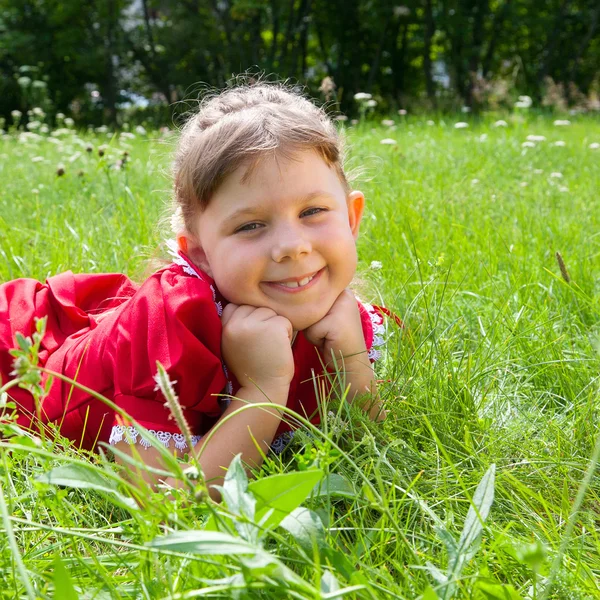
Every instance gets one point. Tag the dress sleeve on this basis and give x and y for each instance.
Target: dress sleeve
(174, 320)
(374, 328)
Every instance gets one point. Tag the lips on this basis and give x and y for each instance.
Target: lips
(295, 283)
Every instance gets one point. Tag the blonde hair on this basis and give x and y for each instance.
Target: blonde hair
(239, 127)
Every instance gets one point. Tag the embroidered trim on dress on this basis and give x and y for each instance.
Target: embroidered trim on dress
(280, 443)
(173, 252)
(131, 434)
(378, 324)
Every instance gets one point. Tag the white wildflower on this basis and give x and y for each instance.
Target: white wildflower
(33, 125)
(371, 103)
(387, 123)
(388, 141)
(562, 122)
(538, 171)
(37, 159)
(466, 109)
(430, 122)
(523, 184)
(556, 175)
(16, 114)
(461, 125)
(60, 116)
(524, 102)
(559, 143)
(528, 145)
(360, 96)
(354, 122)
(35, 191)
(594, 146)
(402, 112)
(501, 123)
(536, 138)
(102, 129)
(474, 181)
(69, 122)
(375, 265)
(563, 188)
(38, 112)
(140, 130)
(483, 137)
(44, 129)
(341, 117)
(125, 135)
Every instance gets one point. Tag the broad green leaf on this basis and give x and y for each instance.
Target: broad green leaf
(497, 591)
(63, 586)
(482, 503)
(282, 493)
(83, 477)
(334, 484)
(436, 574)
(306, 528)
(329, 583)
(204, 543)
(448, 539)
(234, 490)
(429, 594)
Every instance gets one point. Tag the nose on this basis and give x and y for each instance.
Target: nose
(290, 243)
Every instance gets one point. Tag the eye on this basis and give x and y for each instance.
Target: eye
(248, 227)
(312, 211)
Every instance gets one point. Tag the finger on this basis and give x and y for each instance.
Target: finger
(285, 323)
(318, 332)
(262, 313)
(228, 313)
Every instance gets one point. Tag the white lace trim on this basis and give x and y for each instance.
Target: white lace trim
(379, 331)
(173, 251)
(131, 435)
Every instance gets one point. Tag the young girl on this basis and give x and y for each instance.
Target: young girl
(253, 305)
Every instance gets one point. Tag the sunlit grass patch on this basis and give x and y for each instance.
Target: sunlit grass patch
(498, 364)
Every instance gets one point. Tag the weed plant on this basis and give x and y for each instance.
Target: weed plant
(481, 483)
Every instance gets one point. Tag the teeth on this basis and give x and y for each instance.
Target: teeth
(296, 284)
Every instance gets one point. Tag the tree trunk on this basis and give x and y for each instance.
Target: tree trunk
(554, 38)
(499, 19)
(481, 10)
(428, 36)
(109, 93)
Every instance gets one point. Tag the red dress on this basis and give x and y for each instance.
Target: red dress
(107, 333)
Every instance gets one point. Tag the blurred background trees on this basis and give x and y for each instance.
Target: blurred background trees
(100, 60)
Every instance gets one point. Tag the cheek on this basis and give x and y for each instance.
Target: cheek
(236, 273)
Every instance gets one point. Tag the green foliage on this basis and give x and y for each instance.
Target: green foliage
(143, 57)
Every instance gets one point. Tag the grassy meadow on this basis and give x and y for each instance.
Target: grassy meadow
(480, 484)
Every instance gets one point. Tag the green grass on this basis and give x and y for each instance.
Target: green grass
(499, 365)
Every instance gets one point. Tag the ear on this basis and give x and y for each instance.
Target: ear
(356, 207)
(192, 248)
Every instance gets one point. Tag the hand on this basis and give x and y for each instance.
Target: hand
(256, 346)
(340, 331)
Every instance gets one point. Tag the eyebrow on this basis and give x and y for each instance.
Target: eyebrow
(242, 212)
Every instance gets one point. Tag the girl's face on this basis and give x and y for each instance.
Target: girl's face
(284, 238)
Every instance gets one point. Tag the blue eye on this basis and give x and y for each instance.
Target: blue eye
(248, 227)
(312, 211)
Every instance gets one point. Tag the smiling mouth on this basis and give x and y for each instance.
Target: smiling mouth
(294, 284)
